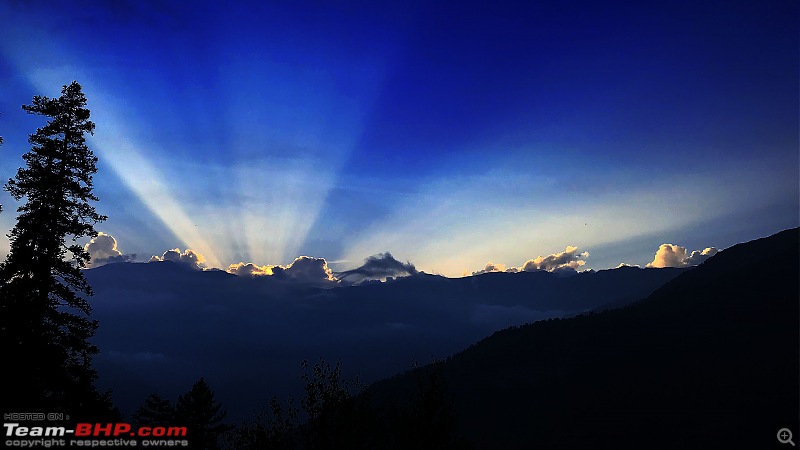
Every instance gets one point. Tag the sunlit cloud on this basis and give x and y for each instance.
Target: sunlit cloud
(303, 269)
(243, 269)
(103, 249)
(491, 267)
(569, 260)
(188, 257)
(670, 255)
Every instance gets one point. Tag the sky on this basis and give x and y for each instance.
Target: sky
(451, 134)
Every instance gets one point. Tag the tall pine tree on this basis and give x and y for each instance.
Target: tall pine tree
(44, 314)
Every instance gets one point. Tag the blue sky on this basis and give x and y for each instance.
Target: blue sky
(451, 134)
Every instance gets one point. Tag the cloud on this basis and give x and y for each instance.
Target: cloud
(492, 267)
(565, 262)
(103, 249)
(303, 269)
(671, 255)
(380, 266)
(243, 269)
(697, 257)
(189, 257)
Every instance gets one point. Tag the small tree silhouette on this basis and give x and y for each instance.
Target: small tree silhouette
(431, 423)
(273, 430)
(338, 418)
(156, 411)
(202, 416)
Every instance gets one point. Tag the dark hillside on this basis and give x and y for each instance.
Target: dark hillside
(163, 324)
(710, 360)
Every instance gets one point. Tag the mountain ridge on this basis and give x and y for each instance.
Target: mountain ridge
(708, 360)
(162, 324)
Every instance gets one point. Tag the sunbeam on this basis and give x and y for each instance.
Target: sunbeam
(261, 202)
(281, 202)
(142, 178)
(257, 135)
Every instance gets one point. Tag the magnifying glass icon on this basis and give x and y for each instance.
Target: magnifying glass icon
(785, 436)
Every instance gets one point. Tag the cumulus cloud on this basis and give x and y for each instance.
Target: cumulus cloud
(492, 267)
(189, 257)
(697, 257)
(303, 269)
(569, 259)
(671, 255)
(249, 270)
(380, 266)
(103, 249)
(565, 262)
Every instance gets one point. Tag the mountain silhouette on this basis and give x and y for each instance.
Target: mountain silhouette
(164, 324)
(709, 360)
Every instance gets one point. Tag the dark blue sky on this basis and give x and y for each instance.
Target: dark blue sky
(451, 134)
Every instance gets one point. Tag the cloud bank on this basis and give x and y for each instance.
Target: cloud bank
(670, 255)
(189, 257)
(303, 269)
(103, 249)
(567, 261)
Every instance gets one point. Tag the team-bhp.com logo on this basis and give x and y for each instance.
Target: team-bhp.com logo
(95, 430)
(92, 434)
